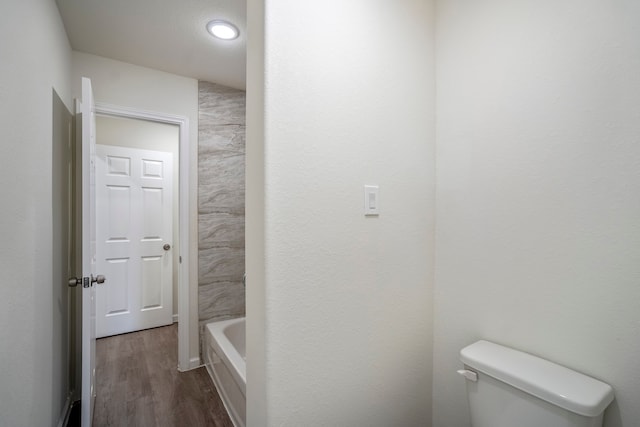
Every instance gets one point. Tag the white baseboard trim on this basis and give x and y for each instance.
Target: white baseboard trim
(175, 318)
(66, 411)
(194, 363)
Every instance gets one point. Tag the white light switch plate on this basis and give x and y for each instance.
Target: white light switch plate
(371, 200)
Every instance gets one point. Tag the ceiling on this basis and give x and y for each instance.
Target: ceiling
(167, 35)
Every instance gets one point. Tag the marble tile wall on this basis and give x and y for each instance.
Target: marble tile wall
(221, 155)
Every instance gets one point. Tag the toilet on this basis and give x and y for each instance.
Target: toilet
(510, 388)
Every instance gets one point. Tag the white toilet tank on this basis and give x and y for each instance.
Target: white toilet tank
(509, 388)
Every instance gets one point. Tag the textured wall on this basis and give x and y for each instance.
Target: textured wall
(32, 390)
(538, 207)
(346, 313)
(221, 154)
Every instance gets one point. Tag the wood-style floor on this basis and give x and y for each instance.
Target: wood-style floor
(138, 384)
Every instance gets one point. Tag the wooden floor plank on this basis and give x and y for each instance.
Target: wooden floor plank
(138, 384)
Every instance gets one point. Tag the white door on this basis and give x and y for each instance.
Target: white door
(134, 190)
(86, 165)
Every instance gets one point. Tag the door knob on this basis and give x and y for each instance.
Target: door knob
(85, 281)
(166, 247)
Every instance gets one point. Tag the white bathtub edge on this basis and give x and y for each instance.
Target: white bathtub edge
(232, 368)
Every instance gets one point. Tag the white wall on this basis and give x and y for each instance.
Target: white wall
(538, 206)
(131, 86)
(33, 62)
(348, 101)
(255, 292)
(148, 135)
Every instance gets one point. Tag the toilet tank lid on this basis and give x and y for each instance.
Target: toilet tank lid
(546, 380)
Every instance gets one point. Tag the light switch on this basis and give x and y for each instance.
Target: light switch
(371, 200)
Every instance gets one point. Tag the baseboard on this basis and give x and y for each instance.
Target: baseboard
(194, 363)
(175, 318)
(66, 411)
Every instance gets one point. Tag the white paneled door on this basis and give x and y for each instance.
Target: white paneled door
(134, 192)
(85, 197)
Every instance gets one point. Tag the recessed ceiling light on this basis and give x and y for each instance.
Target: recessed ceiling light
(223, 30)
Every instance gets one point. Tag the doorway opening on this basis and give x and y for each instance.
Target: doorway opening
(136, 224)
(180, 236)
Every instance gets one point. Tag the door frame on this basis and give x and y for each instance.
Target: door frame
(184, 315)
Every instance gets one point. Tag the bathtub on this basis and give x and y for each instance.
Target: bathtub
(225, 361)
